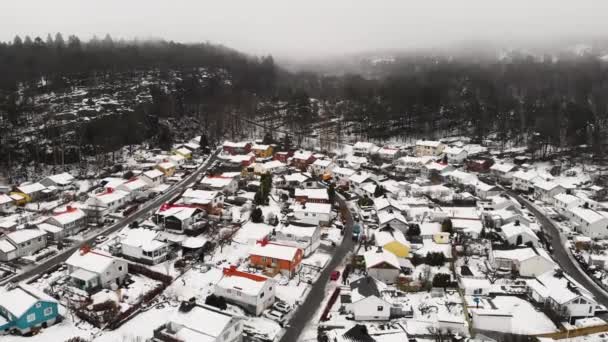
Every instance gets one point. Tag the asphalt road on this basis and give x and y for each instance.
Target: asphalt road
(306, 310)
(142, 212)
(561, 253)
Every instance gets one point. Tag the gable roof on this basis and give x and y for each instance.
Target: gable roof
(374, 258)
(20, 299)
(273, 250)
(429, 143)
(95, 261)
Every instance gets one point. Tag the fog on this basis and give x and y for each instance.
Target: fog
(311, 28)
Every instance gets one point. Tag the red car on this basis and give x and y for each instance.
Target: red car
(335, 275)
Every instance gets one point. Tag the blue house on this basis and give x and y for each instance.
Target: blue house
(23, 309)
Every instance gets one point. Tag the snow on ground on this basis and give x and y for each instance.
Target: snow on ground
(317, 259)
(58, 332)
(263, 326)
(194, 283)
(292, 292)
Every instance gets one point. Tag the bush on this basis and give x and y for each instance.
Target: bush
(435, 259)
(257, 216)
(413, 230)
(441, 280)
(216, 301)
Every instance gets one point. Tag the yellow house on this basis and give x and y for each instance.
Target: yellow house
(20, 198)
(168, 168)
(184, 152)
(442, 238)
(262, 151)
(393, 241)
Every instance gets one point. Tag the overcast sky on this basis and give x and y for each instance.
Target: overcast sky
(308, 27)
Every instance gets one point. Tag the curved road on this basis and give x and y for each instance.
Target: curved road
(561, 254)
(306, 310)
(142, 212)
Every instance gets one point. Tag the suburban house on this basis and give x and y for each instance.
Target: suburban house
(6, 203)
(297, 180)
(60, 181)
(262, 151)
(528, 262)
(283, 156)
(342, 175)
(524, 180)
(177, 159)
(455, 155)
(136, 187)
(485, 191)
(389, 205)
(239, 161)
(311, 196)
(389, 154)
(461, 178)
(273, 167)
(371, 308)
(228, 185)
(517, 234)
(181, 218)
(235, 148)
(480, 165)
(307, 238)
(211, 201)
(313, 213)
(25, 308)
(393, 241)
(503, 172)
(167, 168)
(412, 164)
(382, 265)
(302, 159)
(105, 202)
(186, 326)
(435, 170)
(92, 270)
(274, 258)
(428, 148)
(394, 219)
(144, 246)
(546, 190)
(183, 152)
(589, 222)
(31, 191)
(321, 167)
(153, 177)
(363, 148)
(21, 242)
(358, 181)
(252, 292)
(71, 220)
(562, 294)
(564, 202)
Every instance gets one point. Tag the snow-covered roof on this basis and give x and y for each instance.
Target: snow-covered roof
(300, 231)
(153, 174)
(502, 167)
(95, 261)
(199, 196)
(61, 178)
(110, 196)
(4, 199)
(588, 215)
(296, 177)
(374, 258)
(549, 284)
(23, 235)
(384, 202)
(31, 188)
(251, 232)
(273, 250)
(166, 165)
(69, 215)
(146, 239)
(49, 228)
(194, 242)
(260, 147)
(217, 182)
(512, 229)
(250, 284)
(273, 164)
(302, 155)
(520, 254)
(322, 162)
(360, 177)
(429, 143)
(525, 175)
(6, 246)
(133, 185)
(363, 145)
(386, 217)
(18, 300)
(566, 198)
(183, 150)
(240, 144)
(414, 160)
(319, 208)
(545, 185)
(319, 194)
(481, 186)
(384, 237)
(343, 171)
(453, 150)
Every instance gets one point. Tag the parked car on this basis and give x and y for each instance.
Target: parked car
(281, 307)
(274, 315)
(335, 275)
(101, 239)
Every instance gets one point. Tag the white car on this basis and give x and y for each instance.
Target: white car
(100, 239)
(281, 307)
(274, 315)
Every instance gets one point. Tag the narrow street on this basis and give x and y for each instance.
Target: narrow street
(315, 297)
(561, 253)
(142, 212)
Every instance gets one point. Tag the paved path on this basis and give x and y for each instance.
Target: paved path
(561, 254)
(144, 211)
(311, 305)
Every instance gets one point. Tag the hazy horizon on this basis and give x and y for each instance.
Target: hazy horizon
(312, 29)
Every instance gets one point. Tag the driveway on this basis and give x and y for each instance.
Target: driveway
(311, 305)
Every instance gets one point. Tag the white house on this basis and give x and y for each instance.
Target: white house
(428, 148)
(356, 162)
(382, 265)
(388, 153)
(321, 167)
(136, 187)
(307, 238)
(390, 205)
(21, 242)
(181, 218)
(252, 292)
(562, 294)
(313, 213)
(144, 245)
(105, 202)
(461, 177)
(412, 164)
(342, 175)
(273, 167)
(228, 185)
(392, 218)
(6, 203)
(527, 261)
(153, 177)
(503, 172)
(33, 190)
(311, 195)
(371, 308)
(546, 190)
(455, 155)
(95, 269)
(71, 221)
(516, 234)
(524, 180)
(364, 148)
(358, 180)
(60, 181)
(220, 326)
(485, 191)
(564, 202)
(589, 222)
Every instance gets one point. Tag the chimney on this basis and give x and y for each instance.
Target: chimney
(110, 190)
(516, 222)
(379, 249)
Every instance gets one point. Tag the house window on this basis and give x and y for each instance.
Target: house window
(262, 295)
(38, 305)
(120, 268)
(48, 311)
(380, 307)
(31, 317)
